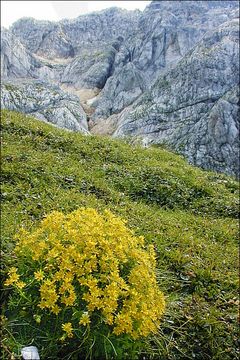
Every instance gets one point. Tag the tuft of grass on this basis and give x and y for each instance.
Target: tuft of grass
(188, 214)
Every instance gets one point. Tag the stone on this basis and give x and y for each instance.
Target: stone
(30, 353)
(121, 90)
(91, 69)
(46, 102)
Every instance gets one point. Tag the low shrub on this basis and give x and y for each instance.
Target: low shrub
(88, 282)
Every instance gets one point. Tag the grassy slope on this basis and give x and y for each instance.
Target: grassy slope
(190, 216)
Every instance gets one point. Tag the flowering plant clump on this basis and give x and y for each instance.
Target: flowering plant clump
(88, 271)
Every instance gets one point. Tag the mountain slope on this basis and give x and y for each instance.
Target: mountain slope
(167, 74)
(188, 214)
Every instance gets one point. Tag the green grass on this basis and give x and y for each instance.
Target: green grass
(189, 215)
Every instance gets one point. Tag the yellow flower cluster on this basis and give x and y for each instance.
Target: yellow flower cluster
(13, 278)
(94, 260)
(67, 327)
(85, 319)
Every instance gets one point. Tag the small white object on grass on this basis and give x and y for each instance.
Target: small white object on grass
(30, 353)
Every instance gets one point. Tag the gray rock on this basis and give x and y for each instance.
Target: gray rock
(30, 353)
(67, 37)
(166, 31)
(45, 102)
(180, 108)
(213, 142)
(18, 62)
(43, 38)
(91, 69)
(121, 90)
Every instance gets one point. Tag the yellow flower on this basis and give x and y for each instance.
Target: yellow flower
(42, 304)
(39, 275)
(67, 327)
(69, 301)
(85, 319)
(56, 309)
(13, 277)
(20, 284)
(109, 319)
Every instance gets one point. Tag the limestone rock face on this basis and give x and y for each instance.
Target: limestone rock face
(16, 61)
(67, 37)
(167, 31)
(43, 38)
(213, 142)
(45, 102)
(193, 107)
(91, 69)
(120, 91)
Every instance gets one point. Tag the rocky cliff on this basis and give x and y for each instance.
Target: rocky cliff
(18, 62)
(167, 31)
(166, 75)
(67, 38)
(194, 107)
(45, 102)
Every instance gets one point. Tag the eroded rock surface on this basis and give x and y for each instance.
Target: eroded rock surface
(45, 102)
(18, 62)
(194, 107)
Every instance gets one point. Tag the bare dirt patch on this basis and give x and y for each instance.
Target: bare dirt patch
(84, 96)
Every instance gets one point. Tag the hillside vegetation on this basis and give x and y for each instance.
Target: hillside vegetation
(188, 214)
